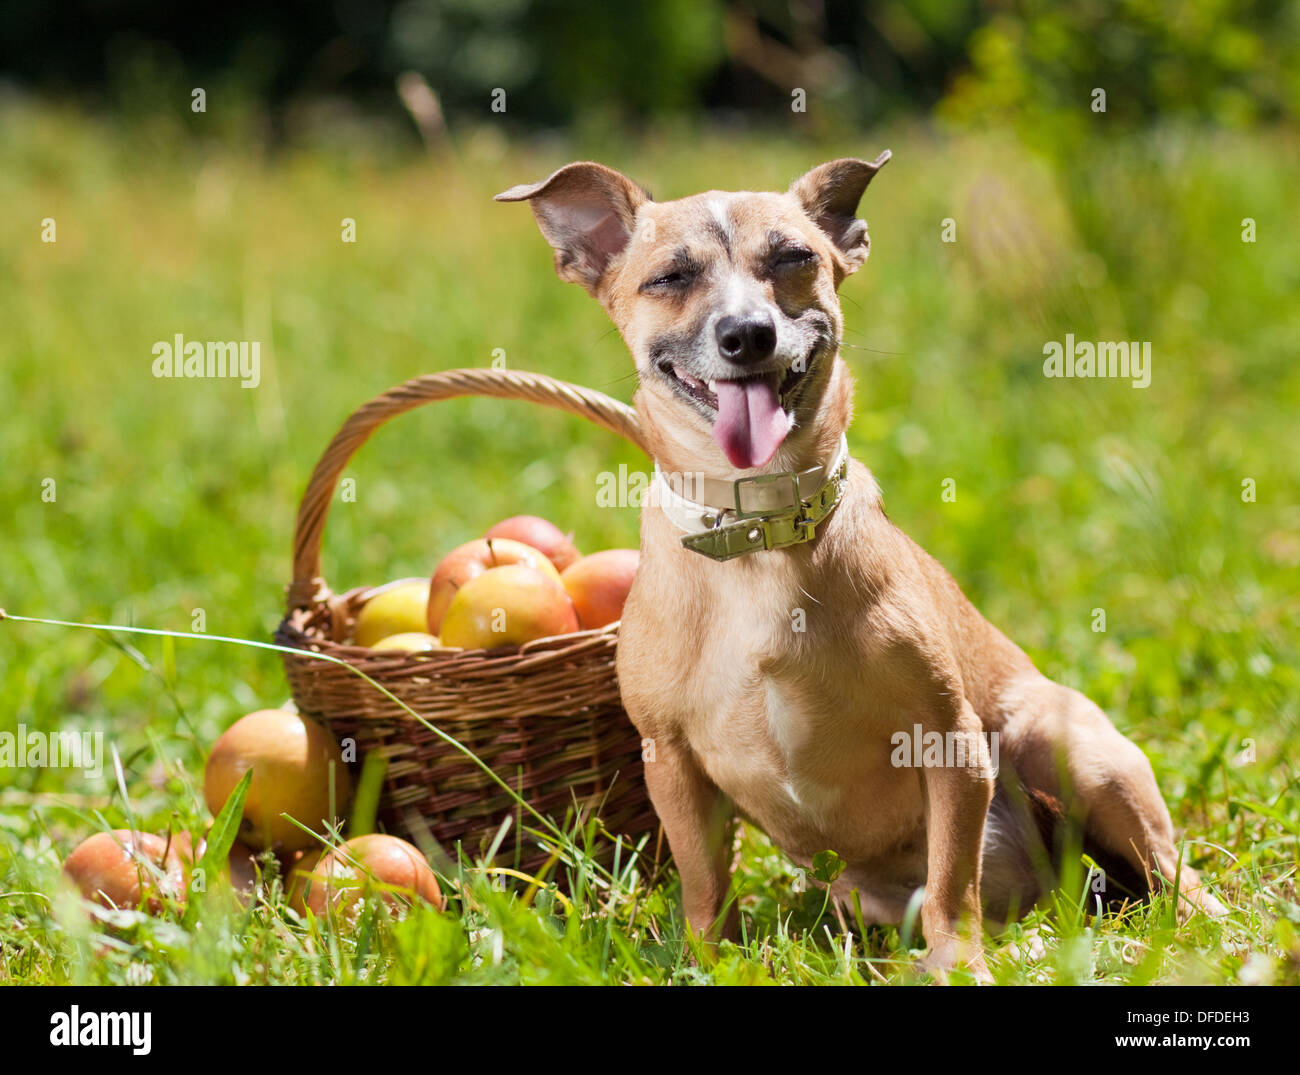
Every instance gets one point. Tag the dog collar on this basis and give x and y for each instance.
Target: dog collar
(765, 511)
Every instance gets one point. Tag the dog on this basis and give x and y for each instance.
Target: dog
(781, 633)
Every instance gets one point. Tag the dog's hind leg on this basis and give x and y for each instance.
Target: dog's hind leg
(1052, 732)
(1016, 868)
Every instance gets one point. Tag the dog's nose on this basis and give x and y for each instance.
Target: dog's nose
(747, 339)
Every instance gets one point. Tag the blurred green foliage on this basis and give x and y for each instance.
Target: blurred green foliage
(601, 66)
(1038, 64)
(559, 59)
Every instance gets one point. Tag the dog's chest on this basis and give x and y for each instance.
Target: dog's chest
(774, 704)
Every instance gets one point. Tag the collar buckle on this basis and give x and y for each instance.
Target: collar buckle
(766, 483)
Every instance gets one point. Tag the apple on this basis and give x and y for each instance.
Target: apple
(470, 560)
(410, 641)
(291, 758)
(507, 606)
(540, 534)
(599, 585)
(241, 863)
(123, 868)
(242, 867)
(398, 609)
(375, 861)
(300, 874)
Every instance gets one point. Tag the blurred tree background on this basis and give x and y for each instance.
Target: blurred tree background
(563, 63)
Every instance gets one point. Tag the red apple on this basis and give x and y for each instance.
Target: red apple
(507, 606)
(300, 875)
(376, 861)
(540, 534)
(599, 585)
(470, 560)
(241, 864)
(123, 868)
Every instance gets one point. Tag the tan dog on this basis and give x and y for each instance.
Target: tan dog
(777, 684)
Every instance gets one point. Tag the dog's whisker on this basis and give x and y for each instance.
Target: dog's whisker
(871, 350)
(618, 380)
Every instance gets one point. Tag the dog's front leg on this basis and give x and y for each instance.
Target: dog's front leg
(697, 817)
(957, 796)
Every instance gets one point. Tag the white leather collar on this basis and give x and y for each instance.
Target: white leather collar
(722, 519)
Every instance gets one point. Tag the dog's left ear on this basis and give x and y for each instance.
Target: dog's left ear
(830, 194)
(586, 212)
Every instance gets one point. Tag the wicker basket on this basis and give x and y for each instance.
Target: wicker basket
(546, 717)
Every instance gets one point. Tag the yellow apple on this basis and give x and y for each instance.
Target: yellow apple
(393, 611)
(410, 641)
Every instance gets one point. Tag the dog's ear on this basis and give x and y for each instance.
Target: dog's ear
(830, 194)
(586, 212)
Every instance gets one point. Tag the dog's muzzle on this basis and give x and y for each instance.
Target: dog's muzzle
(726, 519)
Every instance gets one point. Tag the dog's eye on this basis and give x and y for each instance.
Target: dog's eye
(794, 256)
(676, 278)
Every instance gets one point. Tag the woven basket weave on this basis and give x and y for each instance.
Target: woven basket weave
(546, 717)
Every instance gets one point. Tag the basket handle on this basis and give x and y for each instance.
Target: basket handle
(308, 587)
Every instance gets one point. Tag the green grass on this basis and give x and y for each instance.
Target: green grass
(1072, 496)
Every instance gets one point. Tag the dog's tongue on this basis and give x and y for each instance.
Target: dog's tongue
(751, 424)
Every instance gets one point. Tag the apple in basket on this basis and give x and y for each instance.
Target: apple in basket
(541, 534)
(599, 585)
(408, 641)
(508, 606)
(292, 759)
(472, 559)
(399, 608)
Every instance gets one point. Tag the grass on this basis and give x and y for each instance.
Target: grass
(1071, 496)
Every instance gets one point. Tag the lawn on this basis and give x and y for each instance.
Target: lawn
(132, 500)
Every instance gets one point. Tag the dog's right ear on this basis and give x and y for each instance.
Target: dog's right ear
(829, 195)
(586, 212)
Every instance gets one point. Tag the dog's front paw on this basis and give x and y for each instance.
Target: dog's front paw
(1197, 897)
(951, 955)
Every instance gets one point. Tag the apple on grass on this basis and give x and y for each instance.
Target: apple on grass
(599, 585)
(299, 867)
(241, 862)
(541, 534)
(468, 561)
(125, 869)
(374, 862)
(508, 606)
(292, 758)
